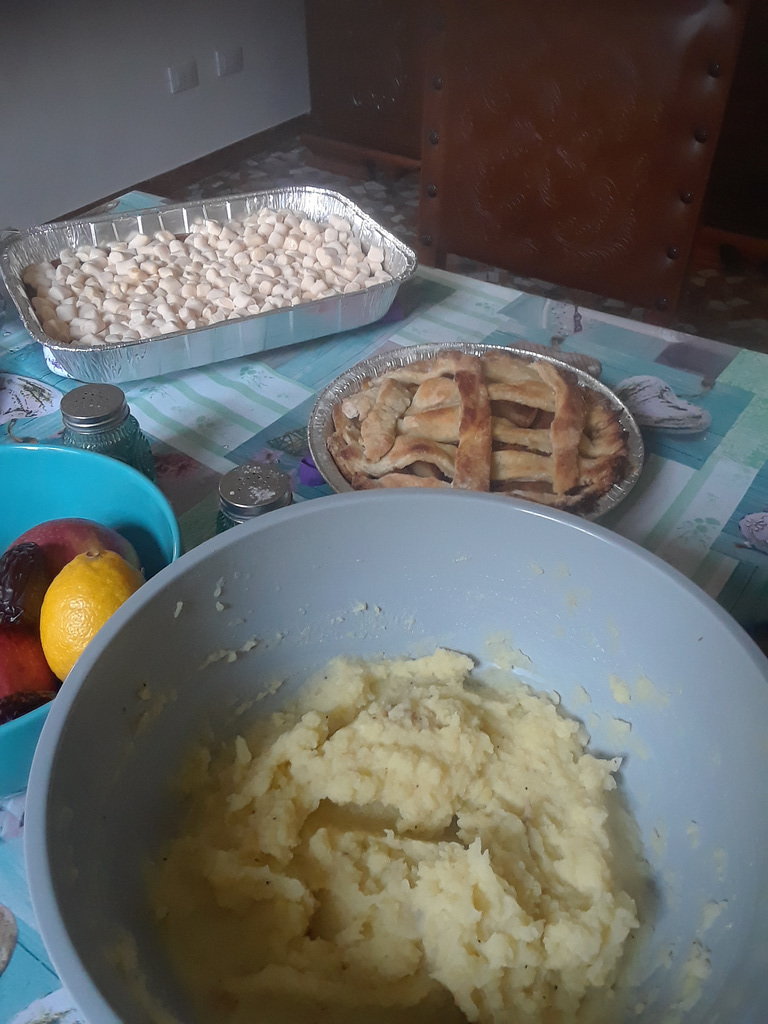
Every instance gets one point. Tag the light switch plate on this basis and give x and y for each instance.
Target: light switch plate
(183, 75)
(229, 61)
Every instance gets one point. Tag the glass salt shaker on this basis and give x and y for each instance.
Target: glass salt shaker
(249, 491)
(97, 418)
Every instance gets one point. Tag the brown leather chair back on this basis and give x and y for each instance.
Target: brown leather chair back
(365, 72)
(571, 140)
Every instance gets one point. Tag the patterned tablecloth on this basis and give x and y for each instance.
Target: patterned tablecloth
(701, 503)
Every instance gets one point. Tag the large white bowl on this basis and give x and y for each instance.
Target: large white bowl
(590, 611)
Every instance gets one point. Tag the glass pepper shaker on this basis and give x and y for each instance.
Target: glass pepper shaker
(249, 491)
(97, 418)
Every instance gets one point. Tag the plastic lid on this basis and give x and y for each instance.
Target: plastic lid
(251, 490)
(94, 407)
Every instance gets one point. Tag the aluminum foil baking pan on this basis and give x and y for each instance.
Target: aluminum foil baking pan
(135, 360)
(320, 425)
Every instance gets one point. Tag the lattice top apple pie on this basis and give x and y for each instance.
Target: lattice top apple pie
(494, 422)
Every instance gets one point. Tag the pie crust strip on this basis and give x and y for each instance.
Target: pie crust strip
(473, 455)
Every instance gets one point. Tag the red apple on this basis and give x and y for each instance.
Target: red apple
(22, 663)
(24, 579)
(62, 539)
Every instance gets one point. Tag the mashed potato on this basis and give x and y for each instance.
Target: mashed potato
(405, 844)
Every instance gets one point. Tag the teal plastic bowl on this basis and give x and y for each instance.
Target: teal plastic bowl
(42, 482)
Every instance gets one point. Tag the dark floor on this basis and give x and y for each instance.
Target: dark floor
(725, 296)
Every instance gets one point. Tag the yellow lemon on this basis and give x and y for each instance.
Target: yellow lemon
(79, 601)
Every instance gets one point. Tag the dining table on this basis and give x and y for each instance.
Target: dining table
(700, 503)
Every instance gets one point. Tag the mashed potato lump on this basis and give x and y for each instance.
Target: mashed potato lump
(405, 843)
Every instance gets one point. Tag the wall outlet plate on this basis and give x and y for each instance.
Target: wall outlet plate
(183, 75)
(229, 61)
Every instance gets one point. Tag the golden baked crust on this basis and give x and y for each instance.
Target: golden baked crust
(500, 421)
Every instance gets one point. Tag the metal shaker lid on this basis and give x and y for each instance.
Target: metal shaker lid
(94, 407)
(252, 489)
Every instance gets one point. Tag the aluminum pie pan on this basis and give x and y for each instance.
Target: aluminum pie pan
(320, 425)
(248, 335)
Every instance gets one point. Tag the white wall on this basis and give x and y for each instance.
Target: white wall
(85, 107)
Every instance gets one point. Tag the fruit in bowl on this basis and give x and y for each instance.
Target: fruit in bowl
(24, 579)
(26, 679)
(88, 590)
(62, 539)
(59, 583)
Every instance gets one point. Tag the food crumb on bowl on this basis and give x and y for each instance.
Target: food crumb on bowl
(692, 831)
(620, 690)
(581, 696)
(124, 956)
(696, 970)
(712, 910)
(229, 654)
(721, 862)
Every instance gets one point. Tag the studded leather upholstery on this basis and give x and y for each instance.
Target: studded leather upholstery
(571, 140)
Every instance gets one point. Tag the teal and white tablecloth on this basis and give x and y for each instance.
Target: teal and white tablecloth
(701, 503)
